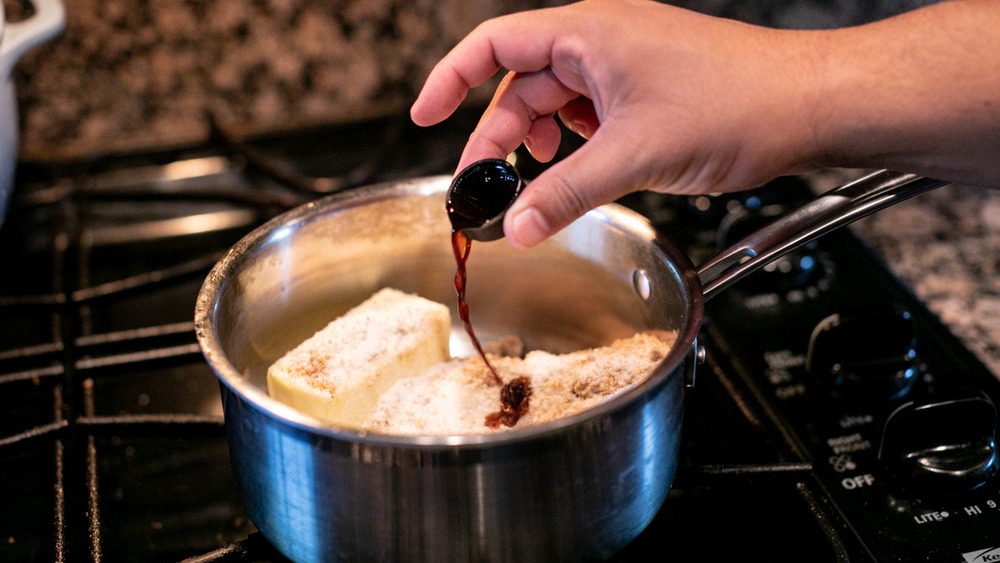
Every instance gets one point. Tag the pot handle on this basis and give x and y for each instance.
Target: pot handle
(18, 37)
(827, 212)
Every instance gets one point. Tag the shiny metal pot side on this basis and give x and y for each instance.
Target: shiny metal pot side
(573, 489)
(578, 488)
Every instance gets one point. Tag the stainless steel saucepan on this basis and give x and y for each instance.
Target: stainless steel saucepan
(573, 489)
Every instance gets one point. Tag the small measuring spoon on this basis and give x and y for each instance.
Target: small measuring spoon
(479, 197)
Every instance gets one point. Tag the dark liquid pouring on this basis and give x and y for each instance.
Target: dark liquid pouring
(515, 394)
(461, 245)
(477, 199)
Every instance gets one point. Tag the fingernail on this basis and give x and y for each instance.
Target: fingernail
(529, 227)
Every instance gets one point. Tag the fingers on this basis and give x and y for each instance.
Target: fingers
(580, 117)
(468, 65)
(566, 191)
(518, 42)
(521, 110)
(543, 138)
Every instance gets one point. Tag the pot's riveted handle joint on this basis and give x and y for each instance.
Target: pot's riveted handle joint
(691, 363)
(726, 263)
(18, 37)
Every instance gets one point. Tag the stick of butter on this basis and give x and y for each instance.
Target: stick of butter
(338, 374)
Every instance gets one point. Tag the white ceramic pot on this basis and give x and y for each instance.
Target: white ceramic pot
(16, 39)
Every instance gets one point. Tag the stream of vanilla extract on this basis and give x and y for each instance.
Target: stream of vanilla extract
(461, 245)
(514, 396)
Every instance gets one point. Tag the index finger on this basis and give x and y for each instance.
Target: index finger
(518, 42)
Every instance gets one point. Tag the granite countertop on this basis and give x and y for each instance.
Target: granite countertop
(945, 245)
(141, 75)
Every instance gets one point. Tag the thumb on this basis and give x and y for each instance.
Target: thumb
(563, 193)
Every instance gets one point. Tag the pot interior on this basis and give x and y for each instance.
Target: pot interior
(606, 276)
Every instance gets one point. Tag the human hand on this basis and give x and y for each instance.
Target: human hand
(669, 100)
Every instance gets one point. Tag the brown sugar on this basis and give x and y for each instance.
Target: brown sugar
(456, 397)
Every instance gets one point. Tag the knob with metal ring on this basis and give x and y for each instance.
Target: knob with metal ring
(941, 446)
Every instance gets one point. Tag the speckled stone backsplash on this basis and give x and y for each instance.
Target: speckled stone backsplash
(135, 75)
(129, 75)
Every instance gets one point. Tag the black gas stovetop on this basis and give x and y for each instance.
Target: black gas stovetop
(834, 419)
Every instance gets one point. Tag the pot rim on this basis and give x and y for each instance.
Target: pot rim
(222, 273)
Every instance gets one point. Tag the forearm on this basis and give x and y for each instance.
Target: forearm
(919, 92)
(679, 102)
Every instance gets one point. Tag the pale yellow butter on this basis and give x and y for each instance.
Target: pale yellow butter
(338, 374)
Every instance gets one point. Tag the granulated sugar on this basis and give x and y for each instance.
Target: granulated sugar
(455, 397)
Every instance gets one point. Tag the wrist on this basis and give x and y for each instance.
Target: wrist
(914, 92)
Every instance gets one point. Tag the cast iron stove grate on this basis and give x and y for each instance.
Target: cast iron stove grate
(112, 439)
(111, 433)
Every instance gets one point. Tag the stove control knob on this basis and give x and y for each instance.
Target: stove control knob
(943, 446)
(867, 356)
